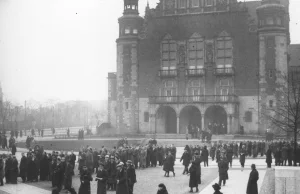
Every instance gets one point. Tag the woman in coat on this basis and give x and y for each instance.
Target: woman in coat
(243, 153)
(101, 178)
(85, 179)
(122, 182)
(269, 157)
(169, 164)
(193, 177)
(252, 182)
(223, 171)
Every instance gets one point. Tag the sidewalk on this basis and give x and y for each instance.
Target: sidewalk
(237, 182)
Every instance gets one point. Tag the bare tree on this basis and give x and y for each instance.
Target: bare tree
(5, 112)
(285, 116)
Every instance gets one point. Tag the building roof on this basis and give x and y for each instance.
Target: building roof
(294, 52)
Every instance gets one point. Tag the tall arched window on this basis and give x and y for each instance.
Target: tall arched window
(196, 52)
(224, 51)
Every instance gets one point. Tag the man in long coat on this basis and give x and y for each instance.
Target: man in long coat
(198, 165)
(252, 182)
(102, 179)
(68, 177)
(223, 171)
(131, 176)
(122, 182)
(193, 177)
(23, 167)
(14, 171)
(44, 167)
(85, 181)
(186, 158)
(59, 176)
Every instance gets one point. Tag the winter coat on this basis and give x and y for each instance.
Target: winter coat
(186, 158)
(122, 186)
(243, 156)
(101, 185)
(85, 183)
(131, 176)
(198, 169)
(169, 163)
(204, 154)
(269, 156)
(252, 182)
(1, 168)
(193, 176)
(23, 167)
(284, 153)
(223, 168)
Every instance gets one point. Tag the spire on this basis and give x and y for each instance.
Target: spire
(131, 7)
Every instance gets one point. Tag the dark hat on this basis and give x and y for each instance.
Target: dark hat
(216, 187)
(129, 162)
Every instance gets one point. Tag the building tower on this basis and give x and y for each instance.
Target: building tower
(127, 68)
(273, 63)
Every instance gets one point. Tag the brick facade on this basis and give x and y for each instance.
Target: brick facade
(157, 88)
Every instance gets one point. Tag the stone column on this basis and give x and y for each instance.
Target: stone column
(228, 124)
(177, 125)
(202, 121)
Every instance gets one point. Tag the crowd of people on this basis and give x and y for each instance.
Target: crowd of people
(114, 169)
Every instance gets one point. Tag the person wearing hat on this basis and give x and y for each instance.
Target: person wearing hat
(217, 188)
(162, 189)
(198, 165)
(252, 182)
(186, 158)
(131, 176)
(101, 178)
(122, 182)
(111, 183)
(243, 153)
(193, 177)
(85, 181)
(223, 170)
(169, 164)
(59, 176)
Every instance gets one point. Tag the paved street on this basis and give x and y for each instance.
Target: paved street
(149, 178)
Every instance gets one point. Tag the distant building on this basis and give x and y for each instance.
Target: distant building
(211, 63)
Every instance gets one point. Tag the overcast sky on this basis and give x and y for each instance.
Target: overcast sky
(64, 48)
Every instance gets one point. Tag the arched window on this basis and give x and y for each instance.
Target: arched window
(224, 50)
(196, 52)
(270, 21)
(127, 30)
(135, 31)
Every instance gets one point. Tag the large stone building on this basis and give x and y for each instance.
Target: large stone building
(198, 62)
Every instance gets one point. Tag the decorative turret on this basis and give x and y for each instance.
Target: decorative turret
(271, 16)
(130, 23)
(273, 44)
(131, 7)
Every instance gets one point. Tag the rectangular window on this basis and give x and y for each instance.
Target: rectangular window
(271, 103)
(224, 51)
(195, 3)
(127, 30)
(146, 117)
(182, 3)
(208, 2)
(168, 84)
(248, 116)
(168, 92)
(270, 73)
(126, 105)
(196, 52)
(169, 54)
(224, 82)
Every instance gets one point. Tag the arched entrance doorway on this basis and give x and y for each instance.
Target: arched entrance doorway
(216, 120)
(189, 115)
(165, 120)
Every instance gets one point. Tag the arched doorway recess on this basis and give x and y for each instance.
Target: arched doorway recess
(216, 119)
(165, 120)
